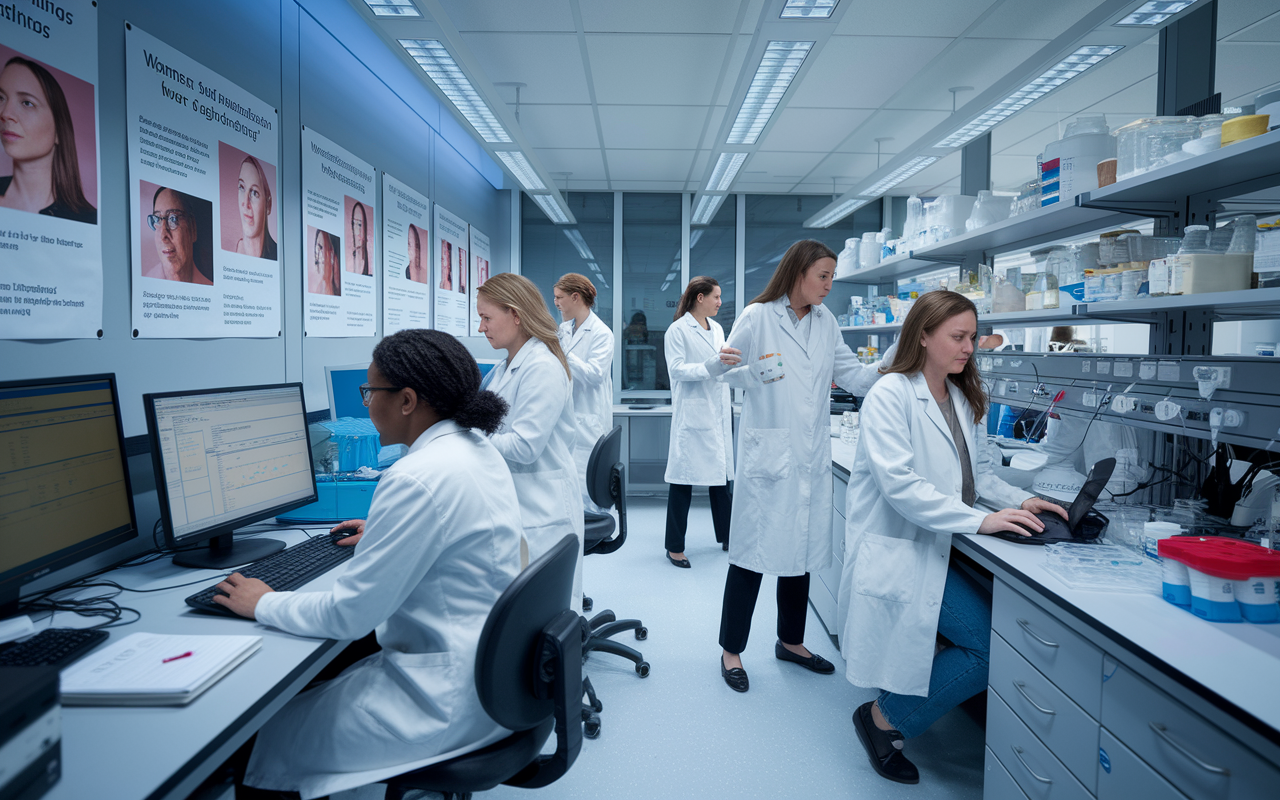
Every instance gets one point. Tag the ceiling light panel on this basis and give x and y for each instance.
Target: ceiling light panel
(393, 8)
(899, 175)
(778, 67)
(840, 212)
(551, 208)
(522, 169)
(706, 209)
(435, 60)
(1073, 65)
(580, 244)
(1155, 13)
(808, 9)
(725, 171)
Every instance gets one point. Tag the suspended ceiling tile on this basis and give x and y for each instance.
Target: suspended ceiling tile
(763, 187)
(656, 69)
(510, 15)
(648, 186)
(862, 71)
(944, 18)
(1033, 19)
(1235, 15)
(712, 135)
(559, 126)
(1008, 173)
(549, 63)
(972, 62)
(1020, 127)
(699, 169)
(641, 165)
(584, 164)
(657, 127)
(1245, 69)
(812, 129)
(774, 163)
(657, 16)
(814, 187)
(1267, 30)
(589, 186)
(741, 49)
(904, 126)
(846, 167)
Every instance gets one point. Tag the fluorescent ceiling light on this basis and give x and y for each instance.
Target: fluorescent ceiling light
(899, 175)
(778, 67)
(435, 60)
(706, 209)
(840, 212)
(522, 169)
(575, 236)
(1073, 65)
(726, 169)
(393, 8)
(1155, 13)
(808, 8)
(694, 236)
(551, 208)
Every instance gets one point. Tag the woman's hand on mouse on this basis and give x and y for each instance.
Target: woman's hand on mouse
(1013, 520)
(1036, 505)
(356, 525)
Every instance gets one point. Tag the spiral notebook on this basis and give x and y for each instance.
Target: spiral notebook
(152, 669)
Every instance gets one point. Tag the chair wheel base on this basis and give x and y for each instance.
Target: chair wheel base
(591, 727)
(586, 605)
(642, 633)
(642, 669)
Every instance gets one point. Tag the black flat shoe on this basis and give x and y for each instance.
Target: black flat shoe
(736, 677)
(884, 748)
(814, 662)
(682, 563)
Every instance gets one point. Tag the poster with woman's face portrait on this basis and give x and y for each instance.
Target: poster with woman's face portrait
(406, 257)
(358, 236)
(479, 274)
(451, 300)
(50, 242)
(323, 272)
(247, 200)
(179, 228)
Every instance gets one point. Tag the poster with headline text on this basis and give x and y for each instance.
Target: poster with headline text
(50, 239)
(204, 200)
(480, 254)
(406, 257)
(449, 262)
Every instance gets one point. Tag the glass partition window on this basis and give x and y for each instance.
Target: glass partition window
(712, 253)
(548, 251)
(775, 222)
(650, 287)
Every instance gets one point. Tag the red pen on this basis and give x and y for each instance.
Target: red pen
(175, 658)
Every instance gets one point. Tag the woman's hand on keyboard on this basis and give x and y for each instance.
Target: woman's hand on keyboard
(242, 594)
(356, 525)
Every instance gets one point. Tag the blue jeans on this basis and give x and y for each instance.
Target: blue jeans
(959, 672)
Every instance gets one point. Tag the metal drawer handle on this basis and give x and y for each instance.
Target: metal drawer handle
(1163, 733)
(1021, 687)
(1026, 626)
(1017, 751)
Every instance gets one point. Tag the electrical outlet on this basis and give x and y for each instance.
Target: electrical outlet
(1220, 377)
(1233, 418)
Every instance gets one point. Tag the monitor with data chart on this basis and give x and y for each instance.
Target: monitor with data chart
(224, 459)
(344, 387)
(64, 480)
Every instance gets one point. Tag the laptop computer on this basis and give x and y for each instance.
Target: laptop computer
(1083, 524)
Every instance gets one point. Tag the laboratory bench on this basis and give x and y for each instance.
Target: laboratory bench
(1106, 695)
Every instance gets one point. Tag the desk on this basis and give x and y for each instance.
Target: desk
(157, 753)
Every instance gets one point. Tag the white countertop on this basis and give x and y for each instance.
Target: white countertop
(654, 410)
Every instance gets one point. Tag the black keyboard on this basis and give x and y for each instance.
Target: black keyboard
(284, 571)
(52, 647)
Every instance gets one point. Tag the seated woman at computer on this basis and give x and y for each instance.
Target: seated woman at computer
(441, 544)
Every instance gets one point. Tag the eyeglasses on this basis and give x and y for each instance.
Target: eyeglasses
(171, 220)
(366, 391)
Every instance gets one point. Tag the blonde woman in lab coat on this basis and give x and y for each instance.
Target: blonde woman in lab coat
(538, 435)
(588, 347)
(919, 468)
(441, 544)
(791, 349)
(701, 449)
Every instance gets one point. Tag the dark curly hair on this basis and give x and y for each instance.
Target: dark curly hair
(443, 373)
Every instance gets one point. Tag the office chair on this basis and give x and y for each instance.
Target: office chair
(528, 676)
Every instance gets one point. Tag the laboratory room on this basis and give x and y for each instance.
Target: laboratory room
(407, 399)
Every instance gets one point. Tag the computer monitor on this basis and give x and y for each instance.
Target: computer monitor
(344, 390)
(226, 458)
(486, 366)
(64, 481)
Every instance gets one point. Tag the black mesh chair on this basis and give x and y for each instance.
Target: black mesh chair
(528, 676)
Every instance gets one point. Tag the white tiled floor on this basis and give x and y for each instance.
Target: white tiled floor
(682, 733)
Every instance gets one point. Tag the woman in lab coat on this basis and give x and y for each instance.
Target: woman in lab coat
(791, 350)
(701, 449)
(588, 347)
(919, 468)
(441, 544)
(538, 435)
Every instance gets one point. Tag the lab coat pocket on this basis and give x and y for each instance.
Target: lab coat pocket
(412, 706)
(695, 414)
(766, 453)
(885, 567)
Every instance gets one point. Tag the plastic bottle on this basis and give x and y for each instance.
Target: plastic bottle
(849, 428)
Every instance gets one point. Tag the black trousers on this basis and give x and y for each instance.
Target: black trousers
(679, 496)
(741, 587)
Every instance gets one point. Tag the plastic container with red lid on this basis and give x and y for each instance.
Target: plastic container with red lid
(1229, 579)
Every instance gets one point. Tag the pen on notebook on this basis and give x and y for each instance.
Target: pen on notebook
(175, 658)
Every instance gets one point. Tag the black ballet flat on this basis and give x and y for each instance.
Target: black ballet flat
(884, 748)
(682, 563)
(736, 677)
(814, 662)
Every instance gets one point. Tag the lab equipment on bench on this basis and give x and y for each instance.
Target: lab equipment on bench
(1083, 523)
(1230, 579)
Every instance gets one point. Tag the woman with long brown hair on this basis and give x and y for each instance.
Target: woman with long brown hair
(538, 435)
(918, 471)
(791, 349)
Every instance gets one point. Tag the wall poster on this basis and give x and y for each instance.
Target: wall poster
(202, 190)
(339, 218)
(406, 257)
(449, 263)
(479, 274)
(50, 242)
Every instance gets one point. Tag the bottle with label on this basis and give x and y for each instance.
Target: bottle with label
(849, 428)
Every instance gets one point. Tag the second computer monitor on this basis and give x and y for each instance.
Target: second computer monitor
(224, 459)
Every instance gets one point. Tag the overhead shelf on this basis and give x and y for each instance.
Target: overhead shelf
(892, 327)
(1243, 304)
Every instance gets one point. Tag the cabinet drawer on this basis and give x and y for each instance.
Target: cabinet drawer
(1071, 663)
(838, 536)
(1065, 729)
(1037, 772)
(839, 487)
(997, 783)
(824, 602)
(1192, 753)
(1123, 776)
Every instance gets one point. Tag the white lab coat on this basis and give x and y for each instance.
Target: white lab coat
(537, 438)
(903, 505)
(589, 351)
(701, 449)
(782, 492)
(441, 544)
